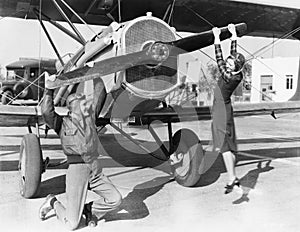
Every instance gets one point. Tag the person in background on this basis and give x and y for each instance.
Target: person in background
(223, 128)
(81, 145)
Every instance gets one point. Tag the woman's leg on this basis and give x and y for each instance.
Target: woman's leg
(229, 160)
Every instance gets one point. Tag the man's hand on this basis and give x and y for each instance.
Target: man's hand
(232, 30)
(49, 78)
(216, 31)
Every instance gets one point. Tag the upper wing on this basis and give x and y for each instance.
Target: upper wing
(262, 20)
(184, 15)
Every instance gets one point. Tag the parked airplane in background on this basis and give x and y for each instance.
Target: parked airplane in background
(136, 58)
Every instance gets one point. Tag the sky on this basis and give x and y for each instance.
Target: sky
(25, 38)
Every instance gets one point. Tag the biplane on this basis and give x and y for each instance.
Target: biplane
(136, 57)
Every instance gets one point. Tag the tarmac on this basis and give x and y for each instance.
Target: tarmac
(268, 165)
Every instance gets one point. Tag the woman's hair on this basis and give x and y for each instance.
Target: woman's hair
(239, 60)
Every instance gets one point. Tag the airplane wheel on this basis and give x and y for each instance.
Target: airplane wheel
(189, 151)
(6, 97)
(30, 166)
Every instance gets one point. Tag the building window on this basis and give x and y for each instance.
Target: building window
(289, 81)
(266, 77)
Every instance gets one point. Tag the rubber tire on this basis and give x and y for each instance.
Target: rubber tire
(31, 169)
(6, 97)
(187, 142)
(18, 88)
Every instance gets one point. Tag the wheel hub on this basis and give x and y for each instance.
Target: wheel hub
(181, 163)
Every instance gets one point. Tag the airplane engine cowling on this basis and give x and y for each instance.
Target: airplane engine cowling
(148, 81)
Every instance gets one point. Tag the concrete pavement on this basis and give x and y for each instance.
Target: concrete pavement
(269, 168)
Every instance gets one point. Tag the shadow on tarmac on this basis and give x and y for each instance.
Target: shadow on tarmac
(134, 204)
(248, 181)
(121, 157)
(55, 185)
(129, 159)
(212, 174)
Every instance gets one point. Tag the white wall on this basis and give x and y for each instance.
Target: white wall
(279, 67)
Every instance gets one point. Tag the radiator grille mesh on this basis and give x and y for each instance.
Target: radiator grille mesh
(146, 77)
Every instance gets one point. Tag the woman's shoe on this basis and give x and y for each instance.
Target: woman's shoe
(229, 187)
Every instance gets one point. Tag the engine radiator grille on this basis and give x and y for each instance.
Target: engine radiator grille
(144, 77)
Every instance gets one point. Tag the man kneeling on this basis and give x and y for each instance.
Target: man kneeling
(81, 145)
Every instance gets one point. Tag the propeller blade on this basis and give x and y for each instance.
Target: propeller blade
(206, 38)
(155, 54)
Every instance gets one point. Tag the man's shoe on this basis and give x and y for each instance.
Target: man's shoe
(90, 219)
(47, 206)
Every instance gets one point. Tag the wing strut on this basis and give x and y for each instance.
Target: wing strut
(69, 21)
(169, 12)
(90, 7)
(119, 11)
(50, 40)
(57, 25)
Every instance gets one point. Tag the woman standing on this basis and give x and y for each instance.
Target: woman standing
(223, 129)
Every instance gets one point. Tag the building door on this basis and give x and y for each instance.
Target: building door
(266, 87)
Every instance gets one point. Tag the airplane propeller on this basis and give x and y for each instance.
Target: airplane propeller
(204, 39)
(155, 54)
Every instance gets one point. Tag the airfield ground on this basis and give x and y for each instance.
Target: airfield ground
(269, 199)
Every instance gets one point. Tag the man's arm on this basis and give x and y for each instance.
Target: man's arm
(99, 96)
(51, 118)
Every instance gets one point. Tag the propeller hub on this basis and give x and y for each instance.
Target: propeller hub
(159, 51)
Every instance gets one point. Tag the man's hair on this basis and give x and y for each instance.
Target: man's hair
(74, 99)
(239, 60)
